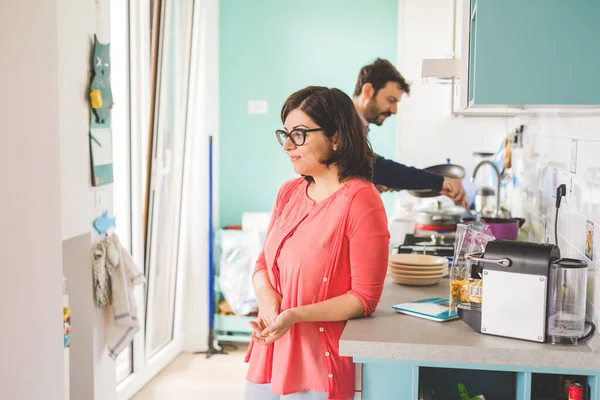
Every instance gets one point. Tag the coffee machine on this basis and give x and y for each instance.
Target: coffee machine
(528, 292)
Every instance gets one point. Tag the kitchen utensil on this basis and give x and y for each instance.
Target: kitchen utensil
(446, 170)
(566, 301)
(469, 212)
(502, 228)
(515, 288)
(485, 200)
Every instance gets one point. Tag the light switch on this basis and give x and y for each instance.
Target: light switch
(100, 199)
(257, 106)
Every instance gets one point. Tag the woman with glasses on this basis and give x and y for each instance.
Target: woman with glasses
(325, 254)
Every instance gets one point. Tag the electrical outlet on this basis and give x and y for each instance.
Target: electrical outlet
(573, 166)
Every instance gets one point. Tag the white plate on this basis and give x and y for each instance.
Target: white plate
(417, 259)
(416, 267)
(415, 281)
(418, 274)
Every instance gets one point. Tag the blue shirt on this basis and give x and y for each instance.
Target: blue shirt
(398, 176)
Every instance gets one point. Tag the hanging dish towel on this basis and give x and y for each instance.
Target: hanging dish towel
(124, 275)
(101, 278)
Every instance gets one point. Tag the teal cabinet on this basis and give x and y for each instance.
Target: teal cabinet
(529, 53)
(408, 380)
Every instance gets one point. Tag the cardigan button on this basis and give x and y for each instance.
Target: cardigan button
(324, 279)
(330, 376)
(321, 329)
(327, 354)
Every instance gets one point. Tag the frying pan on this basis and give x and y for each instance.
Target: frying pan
(446, 170)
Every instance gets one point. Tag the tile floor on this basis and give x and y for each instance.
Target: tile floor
(194, 377)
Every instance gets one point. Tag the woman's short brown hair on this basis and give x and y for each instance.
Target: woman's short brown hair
(334, 111)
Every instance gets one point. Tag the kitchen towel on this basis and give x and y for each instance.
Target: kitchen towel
(124, 276)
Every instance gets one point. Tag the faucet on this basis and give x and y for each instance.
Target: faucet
(497, 171)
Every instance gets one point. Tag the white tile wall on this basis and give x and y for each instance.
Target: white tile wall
(427, 133)
(548, 146)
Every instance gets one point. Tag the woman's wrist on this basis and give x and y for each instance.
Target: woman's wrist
(296, 314)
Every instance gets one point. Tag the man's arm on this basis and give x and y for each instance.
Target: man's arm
(394, 175)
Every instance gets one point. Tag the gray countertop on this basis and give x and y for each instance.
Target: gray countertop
(390, 335)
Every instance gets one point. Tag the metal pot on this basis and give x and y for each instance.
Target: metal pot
(438, 215)
(446, 170)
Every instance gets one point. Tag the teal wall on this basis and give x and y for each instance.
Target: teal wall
(267, 50)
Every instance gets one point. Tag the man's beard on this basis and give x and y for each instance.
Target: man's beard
(373, 113)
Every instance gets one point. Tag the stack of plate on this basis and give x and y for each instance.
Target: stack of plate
(417, 269)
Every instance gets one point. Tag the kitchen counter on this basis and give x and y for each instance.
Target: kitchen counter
(390, 335)
(399, 356)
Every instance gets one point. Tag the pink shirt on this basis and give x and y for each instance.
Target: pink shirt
(314, 252)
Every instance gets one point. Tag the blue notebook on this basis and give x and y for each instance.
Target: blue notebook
(435, 309)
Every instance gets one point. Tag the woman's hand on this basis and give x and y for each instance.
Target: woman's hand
(257, 328)
(269, 303)
(282, 324)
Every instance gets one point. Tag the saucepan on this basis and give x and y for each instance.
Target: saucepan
(446, 170)
(502, 228)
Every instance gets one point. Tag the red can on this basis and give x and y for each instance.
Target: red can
(575, 392)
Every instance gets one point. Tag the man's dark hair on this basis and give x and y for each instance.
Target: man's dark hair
(378, 74)
(334, 111)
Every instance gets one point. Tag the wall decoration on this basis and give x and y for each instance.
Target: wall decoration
(101, 102)
(100, 91)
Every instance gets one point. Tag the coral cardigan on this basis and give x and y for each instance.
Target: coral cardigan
(314, 252)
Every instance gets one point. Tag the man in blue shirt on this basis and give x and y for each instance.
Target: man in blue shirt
(378, 90)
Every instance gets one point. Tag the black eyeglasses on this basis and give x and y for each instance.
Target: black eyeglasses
(297, 136)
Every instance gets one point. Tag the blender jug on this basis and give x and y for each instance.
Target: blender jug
(566, 301)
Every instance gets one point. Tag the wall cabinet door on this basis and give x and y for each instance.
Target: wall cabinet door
(528, 53)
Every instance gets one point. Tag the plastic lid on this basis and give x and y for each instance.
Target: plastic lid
(570, 263)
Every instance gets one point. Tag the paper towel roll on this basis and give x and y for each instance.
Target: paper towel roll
(255, 221)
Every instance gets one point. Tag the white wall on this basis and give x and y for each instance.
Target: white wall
(427, 133)
(548, 140)
(77, 23)
(205, 122)
(31, 340)
(78, 20)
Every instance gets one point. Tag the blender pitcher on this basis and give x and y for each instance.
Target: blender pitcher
(566, 301)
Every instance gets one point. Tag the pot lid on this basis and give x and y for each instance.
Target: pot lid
(438, 209)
